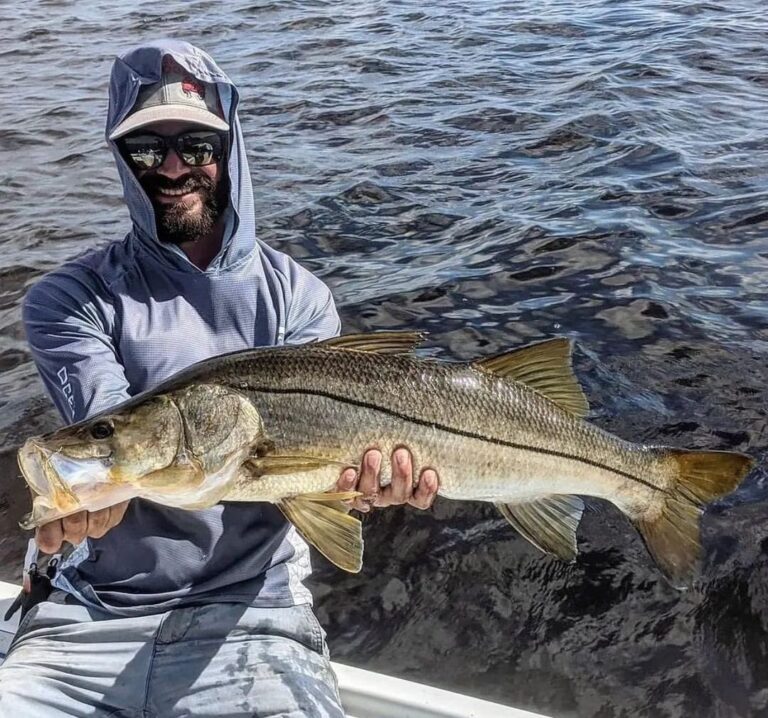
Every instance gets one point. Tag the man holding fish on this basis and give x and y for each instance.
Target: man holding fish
(159, 609)
(168, 592)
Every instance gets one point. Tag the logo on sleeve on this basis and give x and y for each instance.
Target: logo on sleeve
(66, 389)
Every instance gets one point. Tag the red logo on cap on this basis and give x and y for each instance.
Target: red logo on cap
(192, 86)
(189, 85)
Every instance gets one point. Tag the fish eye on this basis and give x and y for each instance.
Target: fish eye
(102, 430)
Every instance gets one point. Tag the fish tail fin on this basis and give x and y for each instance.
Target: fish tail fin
(671, 532)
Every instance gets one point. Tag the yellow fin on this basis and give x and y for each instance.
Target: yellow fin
(378, 342)
(278, 465)
(323, 521)
(329, 497)
(545, 367)
(672, 534)
(549, 523)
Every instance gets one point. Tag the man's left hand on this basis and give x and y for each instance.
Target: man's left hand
(400, 491)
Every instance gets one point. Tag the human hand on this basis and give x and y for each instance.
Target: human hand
(77, 527)
(400, 491)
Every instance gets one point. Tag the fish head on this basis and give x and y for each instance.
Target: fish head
(82, 465)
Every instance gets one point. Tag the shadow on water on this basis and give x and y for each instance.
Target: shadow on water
(494, 175)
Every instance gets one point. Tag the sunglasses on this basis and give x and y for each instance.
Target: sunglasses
(196, 148)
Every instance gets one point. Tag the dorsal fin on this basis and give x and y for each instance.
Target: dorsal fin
(378, 342)
(545, 367)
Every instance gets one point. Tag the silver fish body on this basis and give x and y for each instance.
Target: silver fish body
(491, 439)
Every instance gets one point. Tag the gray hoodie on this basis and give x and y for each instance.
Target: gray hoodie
(118, 320)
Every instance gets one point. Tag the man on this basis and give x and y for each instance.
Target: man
(159, 611)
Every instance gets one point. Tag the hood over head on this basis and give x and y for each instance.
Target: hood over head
(141, 66)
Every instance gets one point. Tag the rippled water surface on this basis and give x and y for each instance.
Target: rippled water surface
(494, 173)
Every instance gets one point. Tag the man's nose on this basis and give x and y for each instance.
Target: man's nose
(172, 166)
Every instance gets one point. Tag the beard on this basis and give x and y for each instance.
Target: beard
(178, 222)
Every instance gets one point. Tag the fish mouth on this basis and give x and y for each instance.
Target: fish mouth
(58, 477)
(62, 486)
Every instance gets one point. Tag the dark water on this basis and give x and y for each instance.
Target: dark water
(494, 173)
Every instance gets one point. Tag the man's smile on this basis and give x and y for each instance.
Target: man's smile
(169, 196)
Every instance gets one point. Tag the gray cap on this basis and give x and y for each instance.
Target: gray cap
(178, 96)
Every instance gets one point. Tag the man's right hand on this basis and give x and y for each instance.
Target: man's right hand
(77, 527)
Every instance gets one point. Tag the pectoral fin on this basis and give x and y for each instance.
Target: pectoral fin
(282, 465)
(549, 523)
(323, 521)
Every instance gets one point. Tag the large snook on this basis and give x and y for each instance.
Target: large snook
(279, 424)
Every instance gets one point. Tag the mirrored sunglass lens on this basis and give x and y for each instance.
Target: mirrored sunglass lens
(147, 159)
(145, 152)
(199, 149)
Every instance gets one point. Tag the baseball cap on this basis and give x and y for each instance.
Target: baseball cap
(177, 96)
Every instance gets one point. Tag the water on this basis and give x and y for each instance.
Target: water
(494, 173)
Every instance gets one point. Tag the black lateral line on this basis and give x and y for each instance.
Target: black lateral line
(460, 432)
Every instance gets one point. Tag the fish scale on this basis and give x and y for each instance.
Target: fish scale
(441, 411)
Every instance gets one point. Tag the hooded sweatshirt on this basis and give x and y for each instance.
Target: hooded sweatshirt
(119, 320)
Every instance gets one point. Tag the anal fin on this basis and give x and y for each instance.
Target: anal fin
(323, 520)
(549, 523)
